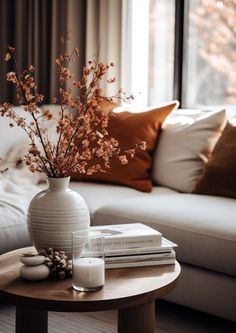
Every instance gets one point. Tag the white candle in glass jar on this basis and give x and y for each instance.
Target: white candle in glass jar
(88, 272)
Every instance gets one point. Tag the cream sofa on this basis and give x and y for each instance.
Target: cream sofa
(204, 227)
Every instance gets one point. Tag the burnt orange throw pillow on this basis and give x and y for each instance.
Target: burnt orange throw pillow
(219, 177)
(131, 128)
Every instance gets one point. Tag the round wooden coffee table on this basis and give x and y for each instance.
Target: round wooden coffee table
(130, 290)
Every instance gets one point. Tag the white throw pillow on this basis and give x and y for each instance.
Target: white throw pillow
(184, 147)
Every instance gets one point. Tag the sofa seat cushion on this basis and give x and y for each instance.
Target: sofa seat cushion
(16, 193)
(99, 195)
(13, 207)
(203, 226)
(13, 230)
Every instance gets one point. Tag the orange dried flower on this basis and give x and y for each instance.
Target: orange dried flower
(8, 56)
(81, 128)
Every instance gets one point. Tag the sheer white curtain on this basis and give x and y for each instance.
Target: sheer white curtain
(135, 49)
(103, 28)
(121, 29)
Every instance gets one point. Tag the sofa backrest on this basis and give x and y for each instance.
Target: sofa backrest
(9, 137)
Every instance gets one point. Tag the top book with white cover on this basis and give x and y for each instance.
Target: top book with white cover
(130, 235)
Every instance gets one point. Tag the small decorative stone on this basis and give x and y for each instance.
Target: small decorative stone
(34, 273)
(34, 268)
(32, 260)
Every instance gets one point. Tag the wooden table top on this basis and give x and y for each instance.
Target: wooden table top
(123, 287)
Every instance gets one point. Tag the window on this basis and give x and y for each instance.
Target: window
(184, 49)
(148, 50)
(135, 49)
(210, 51)
(161, 50)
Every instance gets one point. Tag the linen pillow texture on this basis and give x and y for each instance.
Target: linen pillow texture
(131, 128)
(185, 146)
(219, 177)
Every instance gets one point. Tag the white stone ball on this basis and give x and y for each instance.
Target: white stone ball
(34, 273)
(32, 261)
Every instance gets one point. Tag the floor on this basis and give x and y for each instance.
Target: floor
(170, 318)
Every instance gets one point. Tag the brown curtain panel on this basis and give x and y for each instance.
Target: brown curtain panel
(34, 28)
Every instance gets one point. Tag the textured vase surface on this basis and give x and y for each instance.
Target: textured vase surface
(54, 214)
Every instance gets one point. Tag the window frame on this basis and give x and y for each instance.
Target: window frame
(181, 10)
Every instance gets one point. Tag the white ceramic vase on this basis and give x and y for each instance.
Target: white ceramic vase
(54, 214)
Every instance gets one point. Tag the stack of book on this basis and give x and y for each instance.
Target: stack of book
(135, 244)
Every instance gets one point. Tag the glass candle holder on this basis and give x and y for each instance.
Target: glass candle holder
(88, 267)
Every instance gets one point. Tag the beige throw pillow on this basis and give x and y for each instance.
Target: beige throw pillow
(184, 148)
